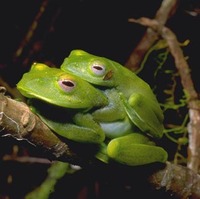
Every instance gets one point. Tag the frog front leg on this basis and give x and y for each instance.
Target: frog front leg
(145, 114)
(113, 111)
(135, 149)
(113, 118)
(84, 129)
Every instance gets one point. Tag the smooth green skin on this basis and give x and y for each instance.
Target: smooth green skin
(135, 149)
(124, 143)
(61, 89)
(113, 118)
(139, 101)
(128, 105)
(41, 82)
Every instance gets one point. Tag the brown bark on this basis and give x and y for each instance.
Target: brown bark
(192, 97)
(166, 10)
(181, 181)
(18, 121)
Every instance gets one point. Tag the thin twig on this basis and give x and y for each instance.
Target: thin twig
(166, 10)
(31, 30)
(193, 101)
(187, 83)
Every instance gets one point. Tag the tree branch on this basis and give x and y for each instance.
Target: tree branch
(166, 10)
(193, 101)
(18, 121)
(181, 181)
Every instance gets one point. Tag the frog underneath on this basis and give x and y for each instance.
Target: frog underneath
(71, 95)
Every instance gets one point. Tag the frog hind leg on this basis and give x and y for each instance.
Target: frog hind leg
(135, 149)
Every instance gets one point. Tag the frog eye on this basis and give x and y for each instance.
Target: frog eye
(98, 69)
(67, 85)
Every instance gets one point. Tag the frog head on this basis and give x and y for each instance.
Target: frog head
(59, 88)
(94, 69)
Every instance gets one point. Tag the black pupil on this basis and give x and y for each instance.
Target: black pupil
(68, 83)
(98, 67)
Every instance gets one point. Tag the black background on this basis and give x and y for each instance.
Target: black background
(100, 27)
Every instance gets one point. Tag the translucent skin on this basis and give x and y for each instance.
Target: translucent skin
(139, 101)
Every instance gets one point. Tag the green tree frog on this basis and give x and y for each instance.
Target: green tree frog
(59, 89)
(138, 99)
(74, 109)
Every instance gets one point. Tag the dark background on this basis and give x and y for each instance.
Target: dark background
(100, 27)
